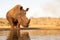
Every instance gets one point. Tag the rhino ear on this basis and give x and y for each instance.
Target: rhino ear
(21, 8)
(27, 9)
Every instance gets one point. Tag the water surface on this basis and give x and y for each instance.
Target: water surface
(36, 34)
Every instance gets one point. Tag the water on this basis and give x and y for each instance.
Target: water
(4, 36)
(46, 37)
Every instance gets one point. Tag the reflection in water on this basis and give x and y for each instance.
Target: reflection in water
(36, 34)
(43, 32)
(45, 37)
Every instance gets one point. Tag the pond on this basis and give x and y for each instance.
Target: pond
(44, 35)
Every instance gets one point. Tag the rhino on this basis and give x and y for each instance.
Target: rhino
(17, 16)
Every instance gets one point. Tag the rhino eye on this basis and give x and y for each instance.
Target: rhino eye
(21, 8)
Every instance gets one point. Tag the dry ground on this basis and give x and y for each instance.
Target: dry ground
(43, 23)
(49, 23)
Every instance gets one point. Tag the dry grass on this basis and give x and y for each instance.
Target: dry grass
(51, 23)
(43, 23)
